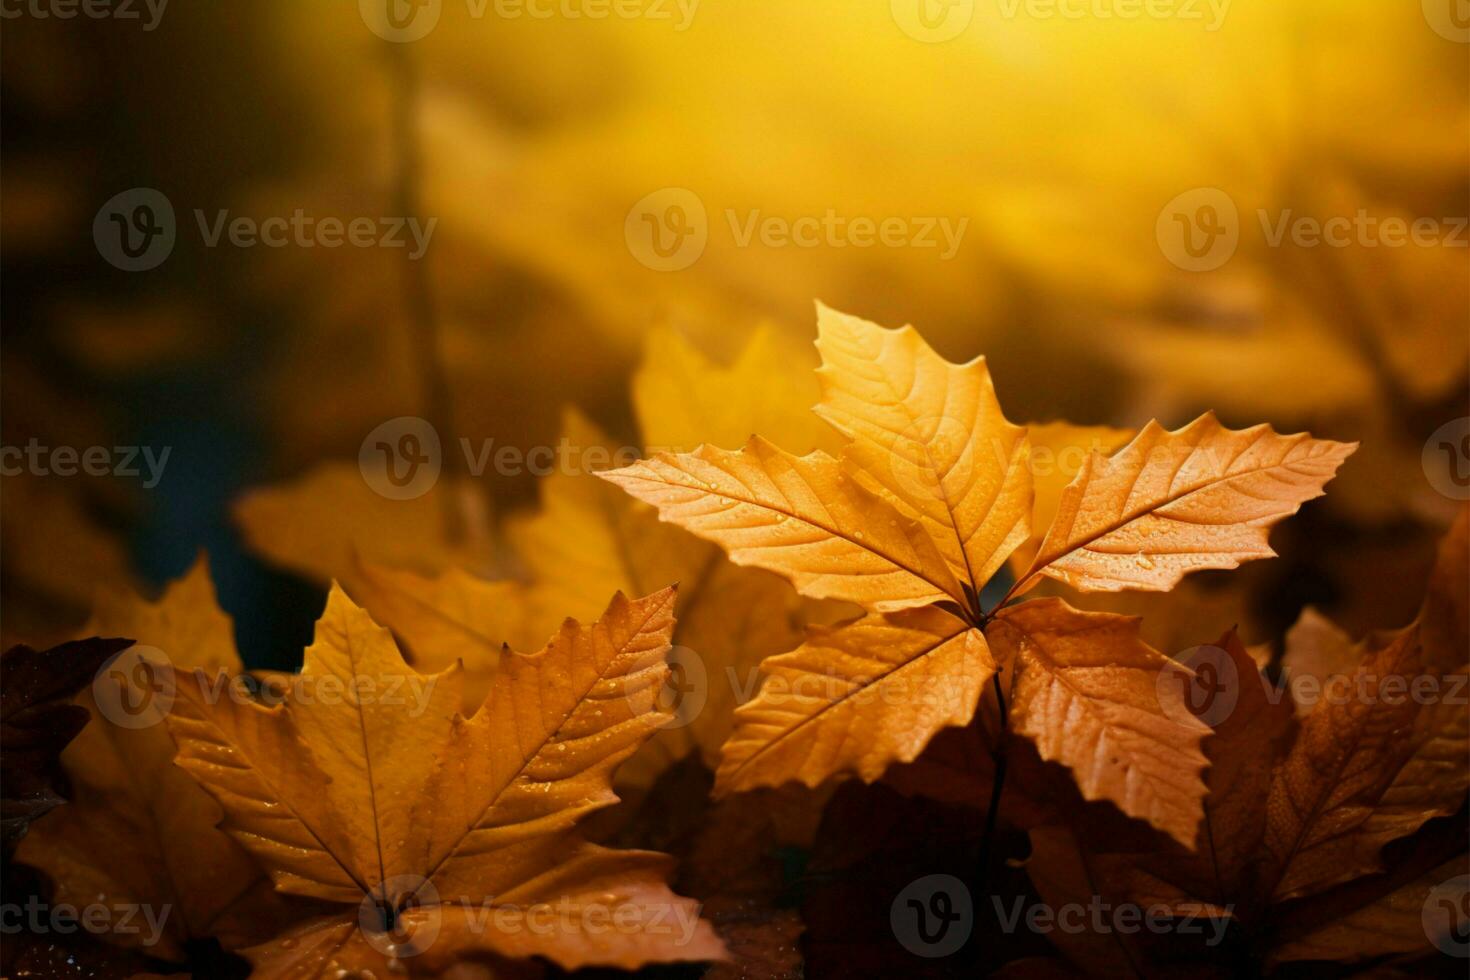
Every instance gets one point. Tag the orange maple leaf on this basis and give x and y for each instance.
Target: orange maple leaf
(928, 499)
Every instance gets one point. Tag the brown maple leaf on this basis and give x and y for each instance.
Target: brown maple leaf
(1303, 814)
(141, 833)
(37, 720)
(441, 836)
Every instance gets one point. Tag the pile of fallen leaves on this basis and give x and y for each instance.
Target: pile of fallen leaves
(883, 759)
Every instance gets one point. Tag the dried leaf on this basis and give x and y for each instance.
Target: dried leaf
(1369, 768)
(929, 435)
(1058, 452)
(1242, 751)
(1317, 652)
(140, 831)
(37, 720)
(857, 698)
(1087, 690)
(1170, 503)
(356, 800)
(684, 400)
(930, 495)
(1394, 923)
(805, 517)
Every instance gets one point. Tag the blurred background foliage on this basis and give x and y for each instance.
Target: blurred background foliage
(1059, 141)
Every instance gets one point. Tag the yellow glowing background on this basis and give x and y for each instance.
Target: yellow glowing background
(1053, 137)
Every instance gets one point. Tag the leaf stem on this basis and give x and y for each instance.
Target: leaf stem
(997, 786)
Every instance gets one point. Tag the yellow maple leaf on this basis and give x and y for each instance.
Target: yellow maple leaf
(682, 399)
(327, 522)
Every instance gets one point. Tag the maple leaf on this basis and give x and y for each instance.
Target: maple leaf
(682, 399)
(1170, 503)
(587, 541)
(845, 699)
(1087, 690)
(453, 616)
(37, 720)
(1375, 765)
(140, 831)
(929, 497)
(436, 827)
(1058, 452)
(1304, 807)
(930, 434)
